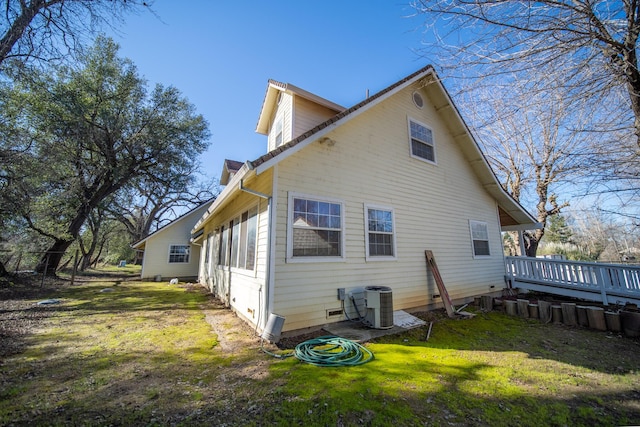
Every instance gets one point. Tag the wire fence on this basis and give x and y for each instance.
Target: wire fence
(36, 263)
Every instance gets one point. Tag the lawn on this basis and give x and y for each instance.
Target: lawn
(124, 352)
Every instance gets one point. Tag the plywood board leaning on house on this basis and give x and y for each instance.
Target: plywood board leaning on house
(448, 304)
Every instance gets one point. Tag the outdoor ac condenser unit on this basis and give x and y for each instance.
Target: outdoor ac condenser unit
(379, 307)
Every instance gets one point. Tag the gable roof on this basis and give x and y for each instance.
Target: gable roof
(270, 102)
(344, 115)
(230, 168)
(141, 242)
(512, 214)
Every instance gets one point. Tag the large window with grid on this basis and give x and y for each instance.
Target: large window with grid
(421, 141)
(179, 254)
(316, 228)
(380, 233)
(480, 238)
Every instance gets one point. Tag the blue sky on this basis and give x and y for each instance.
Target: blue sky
(220, 55)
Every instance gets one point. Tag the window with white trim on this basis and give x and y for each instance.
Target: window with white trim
(316, 228)
(243, 240)
(278, 132)
(480, 238)
(421, 141)
(235, 241)
(207, 253)
(380, 233)
(252, 238)
(179, 254)
(223, 246)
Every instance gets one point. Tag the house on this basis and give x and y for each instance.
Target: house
(347, 198)
(167, 252)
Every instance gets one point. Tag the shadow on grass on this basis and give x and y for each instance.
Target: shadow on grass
(471, 372)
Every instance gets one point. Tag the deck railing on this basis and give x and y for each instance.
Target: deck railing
(608, 283)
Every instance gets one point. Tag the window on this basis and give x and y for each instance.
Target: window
(244, 230)
(179, 254)
(278, 133)
(417, 99)
(480, 238)
(207, 254)
(222, 246)
(235, 240)
(252, 235)
(315, 228)
(422, 145)
(380, 234)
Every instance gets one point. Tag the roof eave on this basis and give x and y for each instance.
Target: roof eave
(232, 187)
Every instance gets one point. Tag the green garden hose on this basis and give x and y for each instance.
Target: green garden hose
(332, 351)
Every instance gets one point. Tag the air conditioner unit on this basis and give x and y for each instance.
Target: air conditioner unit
(379, 307)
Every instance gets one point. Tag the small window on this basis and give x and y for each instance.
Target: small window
(380, 233)
(179, 254)
(417, 99)
(421, 140)
(278, 133)
(315, 228)
(480, 238)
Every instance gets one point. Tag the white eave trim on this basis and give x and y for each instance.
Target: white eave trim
(229, 190)
(522, 227)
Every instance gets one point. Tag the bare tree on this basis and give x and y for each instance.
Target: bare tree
(530, 142)
(589, 46)
(50, 29)
(147, 206)
(587, 49)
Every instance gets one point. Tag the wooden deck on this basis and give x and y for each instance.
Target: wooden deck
(606, 283)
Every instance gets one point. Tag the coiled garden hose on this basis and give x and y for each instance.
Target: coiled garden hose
(332, 351)
(328, 351)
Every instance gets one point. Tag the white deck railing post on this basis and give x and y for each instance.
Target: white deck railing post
(587, 280)
(603, 285)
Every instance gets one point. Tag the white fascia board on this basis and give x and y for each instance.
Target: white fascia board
(522, 227)
(231, 188)
(493, 184)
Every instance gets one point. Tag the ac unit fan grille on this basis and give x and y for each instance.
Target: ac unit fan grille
(386, 310)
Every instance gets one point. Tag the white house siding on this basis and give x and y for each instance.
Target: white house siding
(241, 289)
(156, 252)
(370, 163)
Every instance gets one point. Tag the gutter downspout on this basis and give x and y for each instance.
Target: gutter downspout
(265, 302)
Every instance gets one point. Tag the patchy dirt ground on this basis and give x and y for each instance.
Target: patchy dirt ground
(19, 317)
(147, 358)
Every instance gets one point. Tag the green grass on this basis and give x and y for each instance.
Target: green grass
(143, 354)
